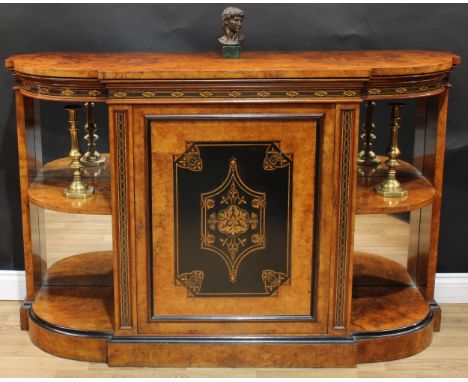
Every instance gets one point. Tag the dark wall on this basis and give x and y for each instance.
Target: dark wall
(121, 27)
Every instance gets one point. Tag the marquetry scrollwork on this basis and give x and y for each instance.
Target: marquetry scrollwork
(233, 220)
(192, 281)
(190, 159)
(275, 158)
(273, 280)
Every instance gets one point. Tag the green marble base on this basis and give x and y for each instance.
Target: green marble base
(231, 51)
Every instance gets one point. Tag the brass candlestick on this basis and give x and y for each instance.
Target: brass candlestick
(367, 156)
(91, 157)
(390, 187)
(77, 188)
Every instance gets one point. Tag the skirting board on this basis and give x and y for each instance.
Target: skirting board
(12, 285)
(449, 287)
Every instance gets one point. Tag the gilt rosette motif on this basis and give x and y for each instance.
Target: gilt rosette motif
(233, 220)
(190, 159)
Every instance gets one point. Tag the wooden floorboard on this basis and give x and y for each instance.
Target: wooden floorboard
(446, 357)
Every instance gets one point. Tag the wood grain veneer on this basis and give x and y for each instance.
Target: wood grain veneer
(420, 190)
(146, 65)
(81, 308)
(364, 308)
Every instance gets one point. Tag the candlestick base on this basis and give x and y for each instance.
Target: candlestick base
(390, 188)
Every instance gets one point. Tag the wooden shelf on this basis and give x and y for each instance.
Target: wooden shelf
(46, 190)
(420, 190)
(384, 296)
(78, 294)
(85, 269)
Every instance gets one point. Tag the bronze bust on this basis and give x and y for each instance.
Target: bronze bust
(232, 19)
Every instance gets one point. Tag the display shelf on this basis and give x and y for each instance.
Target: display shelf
(420, 191)
(46, 190)
(78, 293)
(80, 308)
(48, 193)
(384, 296)
(85, 269)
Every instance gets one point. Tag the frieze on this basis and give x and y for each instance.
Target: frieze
(371, 91)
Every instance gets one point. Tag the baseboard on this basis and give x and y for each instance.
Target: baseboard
(449, 287)
(12, 285)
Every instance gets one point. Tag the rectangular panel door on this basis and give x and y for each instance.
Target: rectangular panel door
(233, 211)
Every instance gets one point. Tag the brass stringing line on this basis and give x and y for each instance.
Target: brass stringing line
(123, 216)
(343, 220)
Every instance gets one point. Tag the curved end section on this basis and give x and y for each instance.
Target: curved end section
(396, 344)
(80, 346)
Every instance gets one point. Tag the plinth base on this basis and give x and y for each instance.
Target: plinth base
(231, 51)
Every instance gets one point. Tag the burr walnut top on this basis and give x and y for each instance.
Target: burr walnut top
(210, 65)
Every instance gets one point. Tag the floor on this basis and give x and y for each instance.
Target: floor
(446, 357)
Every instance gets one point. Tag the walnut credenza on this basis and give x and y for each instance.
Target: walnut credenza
(233, 187)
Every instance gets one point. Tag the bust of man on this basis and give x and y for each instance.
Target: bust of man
(232, 19)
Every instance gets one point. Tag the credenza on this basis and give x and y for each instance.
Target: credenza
(233, 186)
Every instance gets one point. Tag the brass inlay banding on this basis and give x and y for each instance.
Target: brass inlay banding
(263, 94)
(125, 315)
(321, 93)
(120, 94)
(292, 93)
(67, 92)
(343, 219)
(177, 94)
(206, 94)
(226, 93)
(94, 93)
(350, 93)
(374, 91)
(148, 94)
(235, 94)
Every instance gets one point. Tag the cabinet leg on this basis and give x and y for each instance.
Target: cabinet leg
(24, 319)
(437, 316)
